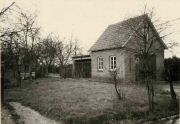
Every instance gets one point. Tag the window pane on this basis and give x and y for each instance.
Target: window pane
(114, 62)
(100, 62)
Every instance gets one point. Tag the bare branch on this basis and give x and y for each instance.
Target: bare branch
(5, 9)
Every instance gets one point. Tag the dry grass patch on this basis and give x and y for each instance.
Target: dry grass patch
(79, 99)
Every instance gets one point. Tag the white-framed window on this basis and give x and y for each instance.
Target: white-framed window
(112, 62)
(100, 63)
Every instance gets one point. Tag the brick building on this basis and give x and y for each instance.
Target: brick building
(115, 49)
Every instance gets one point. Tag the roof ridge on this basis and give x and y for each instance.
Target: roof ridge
(127, 19)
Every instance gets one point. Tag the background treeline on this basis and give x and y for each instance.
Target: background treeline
(173, 66)
(24, 50)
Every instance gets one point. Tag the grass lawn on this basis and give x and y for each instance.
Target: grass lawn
(86, 101)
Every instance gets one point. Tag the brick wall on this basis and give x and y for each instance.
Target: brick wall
(130, 75)
(105, 74)
(160, 66)
(125, 64)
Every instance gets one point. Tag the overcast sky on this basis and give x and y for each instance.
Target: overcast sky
(87, 19)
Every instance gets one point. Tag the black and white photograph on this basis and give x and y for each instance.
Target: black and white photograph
(90, 61)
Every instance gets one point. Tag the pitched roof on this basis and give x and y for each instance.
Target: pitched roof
(116, 35)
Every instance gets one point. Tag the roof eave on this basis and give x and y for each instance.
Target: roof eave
(106, 49)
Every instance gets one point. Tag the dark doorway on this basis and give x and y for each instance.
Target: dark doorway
(83, 68)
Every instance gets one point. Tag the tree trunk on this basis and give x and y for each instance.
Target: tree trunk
(152, 97)
(19, 78)
(2, 83)
(46, 71)
(150, 91)
(30, 72)
(149, 98)
(173, 94)
(61, 71)
(115, 85)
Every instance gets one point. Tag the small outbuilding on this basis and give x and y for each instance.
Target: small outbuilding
(116, 49)
(82, 66)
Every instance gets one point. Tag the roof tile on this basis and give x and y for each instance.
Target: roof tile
(117, 34)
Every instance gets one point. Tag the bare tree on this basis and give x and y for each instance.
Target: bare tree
(116, 80)
(5, 50)
(3, 10)
(47, 51)
(11, 56)
(170, 68)
(23, 33)
(53, 51)
(77, 49)
(146, 37)
(64, 53)
(144, 51)
(28, 33)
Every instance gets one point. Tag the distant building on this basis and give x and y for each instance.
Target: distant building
(115, 50)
